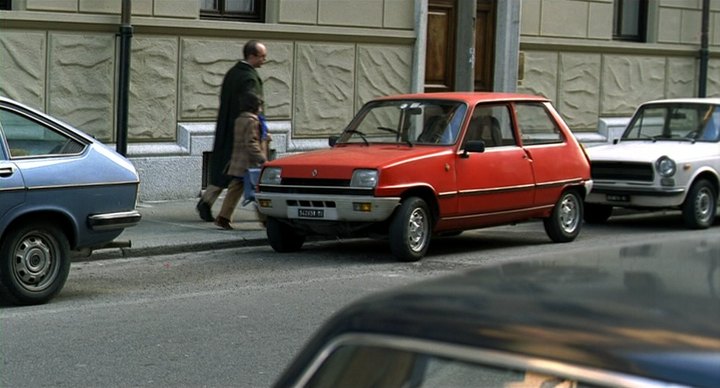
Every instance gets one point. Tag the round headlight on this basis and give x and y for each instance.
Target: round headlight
(665, 166)
(271, 176)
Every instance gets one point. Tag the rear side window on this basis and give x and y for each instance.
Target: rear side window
(27, 138)
(535, 124)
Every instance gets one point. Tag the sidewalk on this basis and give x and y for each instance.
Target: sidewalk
(169, 227)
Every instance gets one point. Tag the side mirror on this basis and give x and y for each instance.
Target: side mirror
(332, 140)
(475, 146)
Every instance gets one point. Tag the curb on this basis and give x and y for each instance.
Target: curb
(124, 253)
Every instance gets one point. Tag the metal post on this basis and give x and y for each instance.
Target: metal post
(125, 34)
(704, 53)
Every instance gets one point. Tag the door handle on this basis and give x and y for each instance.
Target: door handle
(6, 171)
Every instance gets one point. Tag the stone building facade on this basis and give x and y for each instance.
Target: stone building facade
(326, 58)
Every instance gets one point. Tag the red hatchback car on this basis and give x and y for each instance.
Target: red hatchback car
(410, 166)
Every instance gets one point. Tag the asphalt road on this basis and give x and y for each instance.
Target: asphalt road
(236, 317)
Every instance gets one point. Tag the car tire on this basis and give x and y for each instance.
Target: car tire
(34, 263)
(564, 223)
(282, 237)
(700, 205)
(596, 213)
(410, 230)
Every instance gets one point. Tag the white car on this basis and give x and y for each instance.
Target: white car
(668, 157)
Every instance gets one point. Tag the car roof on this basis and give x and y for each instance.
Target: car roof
(650, 309)
(469, 97)
(692, 100)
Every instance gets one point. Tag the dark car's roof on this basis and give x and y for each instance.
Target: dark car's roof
(649, 310)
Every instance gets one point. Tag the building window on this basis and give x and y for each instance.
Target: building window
(245, 10)
(630, 20)
(5, 4)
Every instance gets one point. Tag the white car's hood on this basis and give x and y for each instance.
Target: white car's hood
(648, 151)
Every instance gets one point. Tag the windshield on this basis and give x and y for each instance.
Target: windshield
(673, 121)
(407, 121)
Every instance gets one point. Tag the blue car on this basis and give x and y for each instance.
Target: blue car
(60, 191)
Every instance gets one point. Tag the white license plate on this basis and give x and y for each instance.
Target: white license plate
(311, 213)
(618, 198)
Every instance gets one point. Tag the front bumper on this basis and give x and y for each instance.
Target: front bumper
(318, 207)
(634, 196)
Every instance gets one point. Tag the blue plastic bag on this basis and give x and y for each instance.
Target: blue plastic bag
(250, 181)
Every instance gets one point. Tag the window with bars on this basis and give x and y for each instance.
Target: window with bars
(5, 4)
(243, 10)
(630, 20)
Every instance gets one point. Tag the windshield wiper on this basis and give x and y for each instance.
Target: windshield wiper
(396, 132)
(362, 135)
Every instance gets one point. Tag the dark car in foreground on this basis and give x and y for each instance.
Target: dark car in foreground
(60, 191)
(644, 315)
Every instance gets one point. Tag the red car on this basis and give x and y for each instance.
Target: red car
(410, 166)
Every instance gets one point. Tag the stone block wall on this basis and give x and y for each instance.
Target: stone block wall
(569, 55)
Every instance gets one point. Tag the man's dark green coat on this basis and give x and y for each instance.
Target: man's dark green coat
(240, 79)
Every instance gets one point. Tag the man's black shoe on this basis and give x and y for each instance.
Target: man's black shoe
(204, 210)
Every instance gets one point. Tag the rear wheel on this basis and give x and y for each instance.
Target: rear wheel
(34, 263)
(700, 205)
(597, 213)
(282, 237)
(564, 224)
(410, 230)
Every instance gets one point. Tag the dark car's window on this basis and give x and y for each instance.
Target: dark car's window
(376, 366)
(25, 137)
(492, 125)
(536, 125)
(697, 122)
(407, 122)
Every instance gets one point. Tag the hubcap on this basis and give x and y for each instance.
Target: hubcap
(703, 205)
(34, 262)
(569, 213)
(417, 230)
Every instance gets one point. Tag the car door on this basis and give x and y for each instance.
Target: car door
(543, 141)
(492, 185)
(12, 186)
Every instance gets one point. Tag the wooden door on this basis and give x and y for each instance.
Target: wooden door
(440, 58)
(484, 45)
(440, 50)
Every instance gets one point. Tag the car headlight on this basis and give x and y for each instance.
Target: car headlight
(364, 178)
(271, 176)
(665, 166)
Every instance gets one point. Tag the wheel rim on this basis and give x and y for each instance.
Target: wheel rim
(35, 261)
(569, 215)
(704, 205)
(417, 230)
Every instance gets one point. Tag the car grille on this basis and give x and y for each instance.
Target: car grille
(315, 186)
(622, 171)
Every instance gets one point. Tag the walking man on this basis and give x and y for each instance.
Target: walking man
(241, 79)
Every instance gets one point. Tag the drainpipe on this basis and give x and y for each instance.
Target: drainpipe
(704, 53)
(125, 34)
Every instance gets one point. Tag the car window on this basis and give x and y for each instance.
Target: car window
(535, 124)
(26, 137)
(491, 124)
(376, 366)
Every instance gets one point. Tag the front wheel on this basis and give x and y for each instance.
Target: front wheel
(282, 237)
(34, 263)
(564, 224)
(700, 206)
(410, 230)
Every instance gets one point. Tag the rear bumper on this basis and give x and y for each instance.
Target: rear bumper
(110, 221)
